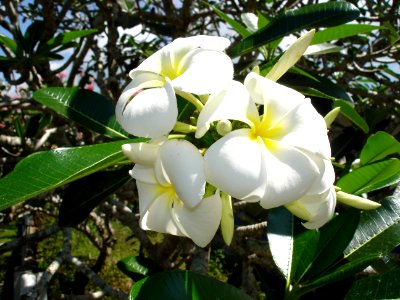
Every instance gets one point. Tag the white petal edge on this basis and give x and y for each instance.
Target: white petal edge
(203, 71)
(148, 113)
(291, 56)
(141, 153)
(233, 103)
(184, 166)
(158, 216)
(202, 222)
(290, 174)
(234, 164)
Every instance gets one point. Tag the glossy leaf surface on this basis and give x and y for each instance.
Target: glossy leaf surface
(83, 106)
(184, 285)
(311, 16)
(379, 146)
(378, 231)
(43, 171)
(371, 177)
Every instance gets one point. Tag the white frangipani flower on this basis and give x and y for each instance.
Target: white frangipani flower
(271, 161)
(171, 185)
(317, 206)
(193, 65)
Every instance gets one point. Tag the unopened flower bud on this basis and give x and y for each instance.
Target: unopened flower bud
(224, 127)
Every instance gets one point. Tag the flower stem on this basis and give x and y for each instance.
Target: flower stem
(192, 99)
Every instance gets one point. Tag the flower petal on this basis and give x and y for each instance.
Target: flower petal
(234, 164)
(141, 153)
(234, 103)
(165, 61)
(289, 176)
(316, 209)
(200, 223)
(143, 174)
(203, 71)
(158, 216)
(291, 56)
(184, 166)
(277, 99)
(148, 112)
(305, 128)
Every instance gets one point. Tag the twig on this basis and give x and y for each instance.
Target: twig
(4, 247)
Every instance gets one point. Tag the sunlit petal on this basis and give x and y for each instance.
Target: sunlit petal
(305, 128)
(234, 164)
(277, 99)
(158, 216)
(291, 56)
(316, 209)
(203, 72)
(150, 112)
(141, 153)
(233, 103)
(200, 223)
(184, 166)
(143, 174)
(290, 174)
(166, 60)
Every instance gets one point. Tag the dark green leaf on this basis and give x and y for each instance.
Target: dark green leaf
(83, 195)
(239, 28)
(305, 246)
(371, 177)
(184, 285)
(137, 267)
(307, 17)
(378, 146)
(384, 286)
(344, 271)
(86, 107)
(280, 233)
(334, 238)
(348, 110)
(66, 37)
(43, 171)
(378, 231)
(342, 31)
(32, 36)
(8, 43)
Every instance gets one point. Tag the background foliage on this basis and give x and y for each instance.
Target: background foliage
(72, 212)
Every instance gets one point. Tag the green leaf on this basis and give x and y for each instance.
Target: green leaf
(184, 285)
(348, 110)
(385, 286)
(342, 31)
(307, 17)
(8, 43)
(305, 246)
(239, 28)
(43, 171)
(378, 231)
(378, 146)
(344, 271)
(334, 238)
(280, 232)
(86, 107)
(66, 37)
(137, 267)
(83, 195)
(371, 177)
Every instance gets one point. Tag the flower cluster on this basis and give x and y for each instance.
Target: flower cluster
(268, 143)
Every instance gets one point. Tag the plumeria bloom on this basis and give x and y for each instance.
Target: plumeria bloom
(193, 65)
(171, 185)
(272, 158)
(317, 206)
